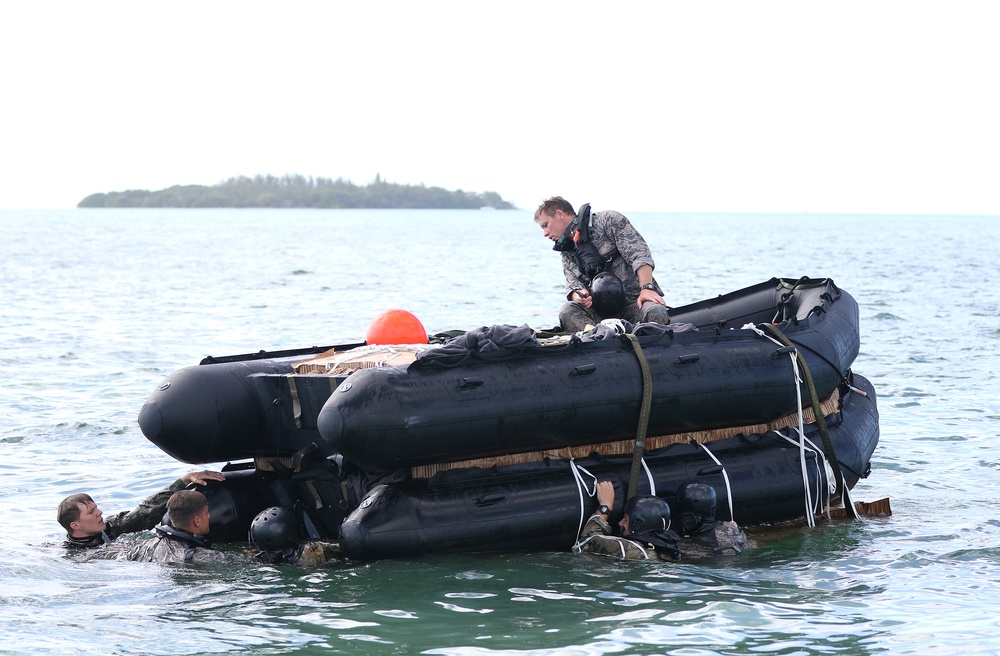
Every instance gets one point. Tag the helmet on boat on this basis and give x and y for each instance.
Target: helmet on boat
(646, 513)
(608, 294)
(274, 529)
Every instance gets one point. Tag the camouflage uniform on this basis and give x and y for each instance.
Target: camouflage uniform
(713, 540)
(316, 553)
(142, 518)
(312, 553)
(597, 538)
(612, 231)
(176, 547)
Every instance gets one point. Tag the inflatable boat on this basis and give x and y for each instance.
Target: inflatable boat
(465, 443)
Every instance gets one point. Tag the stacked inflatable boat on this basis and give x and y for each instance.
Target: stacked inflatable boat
(492, 440)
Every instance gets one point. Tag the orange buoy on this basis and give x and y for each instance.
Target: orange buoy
(396, 327)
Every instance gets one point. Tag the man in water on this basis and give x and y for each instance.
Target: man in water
(184, 539)
(277, 533)
(607, 265)
(702, 535)
(86, 526)
(645, 527)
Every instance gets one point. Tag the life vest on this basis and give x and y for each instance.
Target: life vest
(606, 289)
(664, 541)
(576, 240)
(174, 533)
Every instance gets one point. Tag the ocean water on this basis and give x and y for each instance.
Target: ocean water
(97, 306)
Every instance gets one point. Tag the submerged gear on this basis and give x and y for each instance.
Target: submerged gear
(646, 513)
(274, 529)
(608, 294)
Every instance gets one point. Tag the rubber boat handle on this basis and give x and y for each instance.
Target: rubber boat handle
(784, 350)
(490, 500)
(583, 370)
(690, 358)
(711, 470)
(469, 383)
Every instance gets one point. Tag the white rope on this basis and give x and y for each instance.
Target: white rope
(848, 502)
(649, 477)
(798, 404)
(581, 487)
(802, 445)
(821, 492)
(725, 477)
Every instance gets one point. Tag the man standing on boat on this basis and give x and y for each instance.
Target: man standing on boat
(607, 264)
(86, 526)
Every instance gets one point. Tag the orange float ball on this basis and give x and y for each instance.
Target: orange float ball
(396, 327)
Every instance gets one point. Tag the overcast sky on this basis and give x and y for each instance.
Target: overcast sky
(882, 107)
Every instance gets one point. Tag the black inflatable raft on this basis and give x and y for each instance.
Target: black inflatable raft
(445, 407)
(347, 450)
(542, 506)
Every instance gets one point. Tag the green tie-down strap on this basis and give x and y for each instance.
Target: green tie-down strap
(640, 433)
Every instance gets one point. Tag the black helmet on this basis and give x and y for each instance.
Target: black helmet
(608, 294)
(274, 529)
(647, 513)
(697, 498)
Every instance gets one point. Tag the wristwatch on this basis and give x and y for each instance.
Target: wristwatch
(604, 510)
(649, 285)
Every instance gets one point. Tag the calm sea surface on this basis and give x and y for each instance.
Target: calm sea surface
(97, 306)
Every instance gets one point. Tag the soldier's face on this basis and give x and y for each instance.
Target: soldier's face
(554, 225)
(91, 520)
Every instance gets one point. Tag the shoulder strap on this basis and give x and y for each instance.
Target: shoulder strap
(583, 220)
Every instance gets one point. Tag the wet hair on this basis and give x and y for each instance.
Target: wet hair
(69, 509)
(549, 207)
(183, 506)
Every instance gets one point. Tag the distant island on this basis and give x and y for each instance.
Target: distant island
(292, 191)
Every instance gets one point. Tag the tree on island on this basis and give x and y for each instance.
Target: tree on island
(297, 191)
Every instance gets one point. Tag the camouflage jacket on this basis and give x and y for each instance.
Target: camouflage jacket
(717, 539)
(316, 553)
(177, 548)
(313, 553)
(596, 537)
(611, 233)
